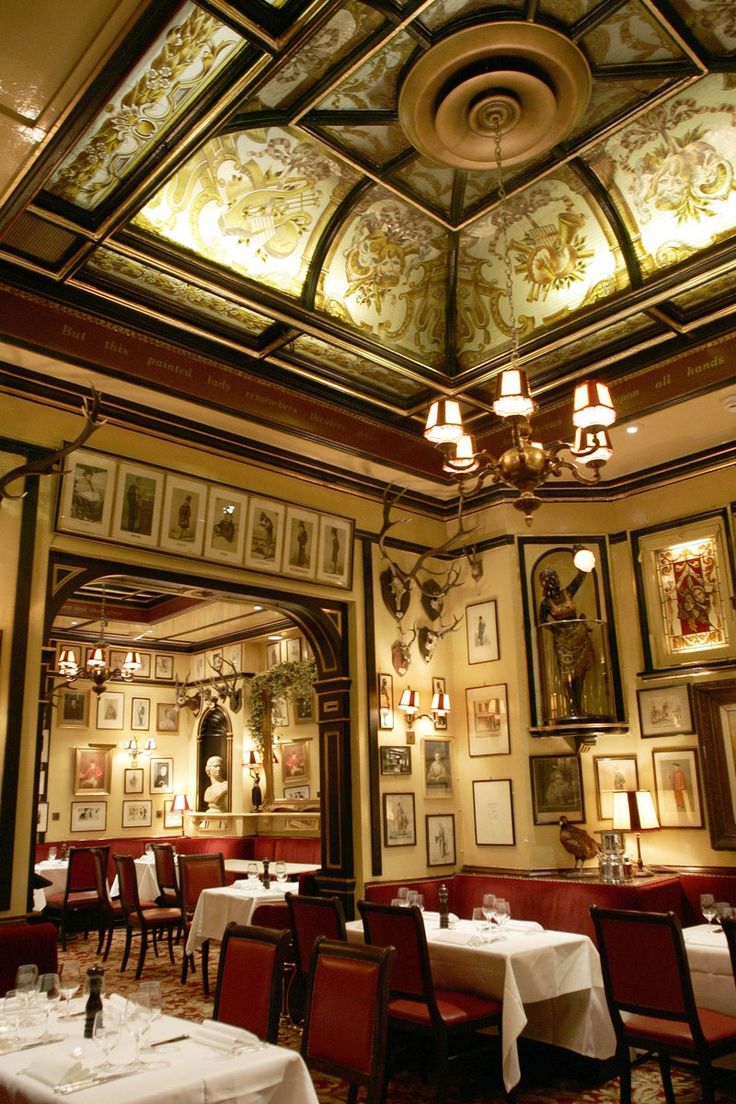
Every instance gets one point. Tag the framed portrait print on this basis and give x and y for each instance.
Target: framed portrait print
(42, 816)
(613, 773)
(172, 817)
(87, 494)
(144, 671)
(138, 500)
(110, 708)
(488, 720)
(167, 717)
(88, 816)
(399, 820)
(684, 580)
(481, 627)
(224, 532)
(133, 780)
(264, 536)
(161, 777)
(395, 760)
(92, 770)
(293, 649)
(677, 785)
(557, 788)
(437, 759)
(164, 666)
(664, 710)
(140, 714)
(137, 814)
(184, 515)
(295, 761)
(440, 828)
(493, 810)
(300, 543)
(335, 551)
(72, 708)
(273, 654)
(385, 701)
(279, 713)
(304, 710)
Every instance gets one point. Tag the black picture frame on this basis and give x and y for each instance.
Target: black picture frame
(395, 759)
(557, 788)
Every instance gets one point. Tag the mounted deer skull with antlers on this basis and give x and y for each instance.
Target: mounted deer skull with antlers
(401, 652)
(187, 701)
(428, 637)
(227, 690)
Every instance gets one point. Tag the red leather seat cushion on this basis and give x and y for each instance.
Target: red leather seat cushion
(717, 1028)
(455, 1008)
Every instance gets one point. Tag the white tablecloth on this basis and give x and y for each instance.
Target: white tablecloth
(55, 870)
(240, 867)
(550, 984)
(216, 908)
(145, 872)
(710, 968)
(187, 1072)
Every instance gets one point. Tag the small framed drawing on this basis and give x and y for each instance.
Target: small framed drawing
(440, 839)
(138, 499)
(140, 714)
(399, 821)
(488, 720)
(110, 708)
(167, 717)
(335, 555)
(395, 760)
(493, 810)
(92, 770)
(293, 649)
(613, 773)
(144, 671)
(164, 667)
(664, 711)
(300, 544)
(279, 713)
(224, 532)
(133, 780)
(437, 758)
(88, 816)
(72, 708)
(172, 817)
(42, 816)
(304, 710)
(677, 784)
(161, 778)
(264, 536)
(439, 719)
(295, 761)
(273, 654)
(481, 627)
(184, 515)
(385, 702)
(557, 788)
(137, 814)
(297, 790)
(87, 493)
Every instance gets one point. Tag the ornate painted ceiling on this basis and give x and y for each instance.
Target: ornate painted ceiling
(307, 193)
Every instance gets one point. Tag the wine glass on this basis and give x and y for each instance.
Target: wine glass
(480, 924)
(10, 1018)
(154, 996)
(26, 980)
(52, 854)
(488, 905)
(503, 913)
(70, 978)
(415, 898)
(252, 872)
(139, 1017)
(402, 893)
(280, 869)
(50, 994)
(107, 1031)
(708, 907)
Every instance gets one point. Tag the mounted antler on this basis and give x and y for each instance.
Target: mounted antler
(46, 465)
(401, 652)
(228, 689)
(187, 701)
(428, 637)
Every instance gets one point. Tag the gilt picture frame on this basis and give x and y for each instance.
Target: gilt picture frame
(399, 820)
(677, 787)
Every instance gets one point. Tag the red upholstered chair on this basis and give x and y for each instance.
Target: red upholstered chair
(650, 997)
(273, 914)
(198, 872)
(249, 979)
(80, 907)
(166, 876)
(309, 918)
(140, 920)
(22, 942)
(415, 1005)
(346, 1015)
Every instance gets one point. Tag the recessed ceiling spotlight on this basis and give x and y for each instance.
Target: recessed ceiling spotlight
(275, 637)
(632, 429)
(257, 609)
(75, 623)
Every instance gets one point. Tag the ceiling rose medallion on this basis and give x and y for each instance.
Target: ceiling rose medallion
(527, 80)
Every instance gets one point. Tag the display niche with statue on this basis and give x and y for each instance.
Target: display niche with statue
(576, 692)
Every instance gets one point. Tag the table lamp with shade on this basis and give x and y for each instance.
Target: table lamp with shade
(634, 811)
(180, 804)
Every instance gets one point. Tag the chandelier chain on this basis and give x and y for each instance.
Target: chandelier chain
(505, 220)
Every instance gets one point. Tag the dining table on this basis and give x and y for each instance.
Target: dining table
(54, 871)
(550, 983)
(189, 1062)
(710, 968)
(219, 906)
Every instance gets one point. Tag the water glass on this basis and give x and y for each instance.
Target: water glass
(402, 893)
(107, 1033)
(502, 914)
(415, 898)
(70, 978)
(49, 995)
(280, 869)
(26, 980)
(708, 906)
(397, 902)
(481, 925)
(252, 872)
(10, 1016)
(52, 854)
(488, 905)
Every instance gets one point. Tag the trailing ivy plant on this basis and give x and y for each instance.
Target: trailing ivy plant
(293, 681)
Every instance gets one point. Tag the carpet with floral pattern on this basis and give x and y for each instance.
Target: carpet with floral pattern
(549, 1075)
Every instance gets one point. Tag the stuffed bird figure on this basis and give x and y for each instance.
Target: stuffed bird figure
(577, 842)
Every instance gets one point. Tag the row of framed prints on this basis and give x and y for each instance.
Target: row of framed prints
(91, 816)
(153, 508)
(557, 787)
(73, 711)
(93, 773)
(493, 813)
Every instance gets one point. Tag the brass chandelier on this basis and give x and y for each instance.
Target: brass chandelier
(97, 668)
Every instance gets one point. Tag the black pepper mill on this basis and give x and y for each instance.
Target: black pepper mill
(95, 977)
(266, 875)
(444, 912)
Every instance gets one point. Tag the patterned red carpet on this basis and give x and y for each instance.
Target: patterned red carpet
(550, 1076)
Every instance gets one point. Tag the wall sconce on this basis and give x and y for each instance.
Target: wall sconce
(254, 761)
(134, 749)
(180, 804)
(409, 703)
(633, 811)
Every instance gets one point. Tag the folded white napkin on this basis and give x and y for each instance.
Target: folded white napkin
(523, 925)
(223, 1036)
(57, 1069)
(246, 883)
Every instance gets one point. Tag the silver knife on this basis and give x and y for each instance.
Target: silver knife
(90, 1082)
(173, 1039)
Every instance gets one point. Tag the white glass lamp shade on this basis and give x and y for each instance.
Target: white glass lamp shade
(68, 666)
(96, 660)
(634, 811)
(150, 744)
(441, 703)
(132, 663)
(512, 394)
(180, 804)
(592, 406)
(409, 701)
(584, 559)
(444, 422)
(463, 459)
(593, 447)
